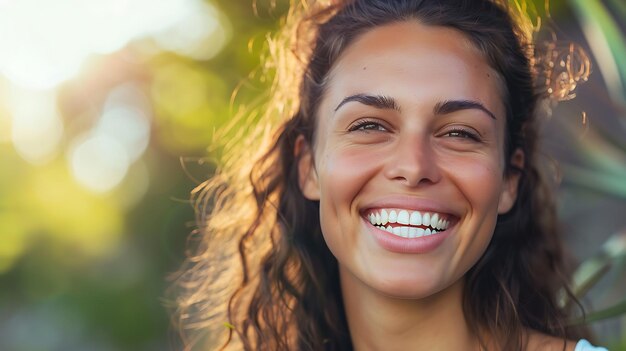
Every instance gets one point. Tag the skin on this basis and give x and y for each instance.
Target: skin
(408, 155)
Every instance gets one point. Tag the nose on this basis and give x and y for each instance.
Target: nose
(413, 162)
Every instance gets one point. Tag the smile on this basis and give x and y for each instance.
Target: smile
(408, 224)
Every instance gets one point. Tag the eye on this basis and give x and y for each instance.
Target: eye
(367, 125)
(462, 134)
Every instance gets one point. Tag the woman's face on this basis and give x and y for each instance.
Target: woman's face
(408, 161)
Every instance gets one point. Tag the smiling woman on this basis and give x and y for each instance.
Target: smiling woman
(400, 206)
(435, 153)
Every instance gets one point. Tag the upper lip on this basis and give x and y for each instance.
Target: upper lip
(410, 203)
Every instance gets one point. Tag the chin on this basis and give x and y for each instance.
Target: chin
(408, 286)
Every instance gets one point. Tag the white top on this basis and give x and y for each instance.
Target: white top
(584, 345)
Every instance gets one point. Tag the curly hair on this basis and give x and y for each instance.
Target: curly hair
(261, 276)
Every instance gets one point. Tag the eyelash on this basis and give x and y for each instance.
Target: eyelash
(463, 134)
(360, 126)
(373, 125)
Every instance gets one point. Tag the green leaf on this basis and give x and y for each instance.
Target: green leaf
(613, 311)
(620, 7)
(593, 269)
(607, 43)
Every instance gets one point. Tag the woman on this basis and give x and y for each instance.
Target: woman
(400, 206)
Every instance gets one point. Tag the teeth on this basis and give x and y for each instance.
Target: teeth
(416, 218)
(426, 219)
(409, 232)
(393, 216)
(434, 221)
(403, 217)
(404, 231)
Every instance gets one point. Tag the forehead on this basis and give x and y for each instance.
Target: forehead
(417, 62)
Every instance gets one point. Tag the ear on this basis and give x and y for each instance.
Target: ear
(510, 185)
(307, 174)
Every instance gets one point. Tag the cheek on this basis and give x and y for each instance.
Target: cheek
(479, 179)
(486, 183)
(344, 172)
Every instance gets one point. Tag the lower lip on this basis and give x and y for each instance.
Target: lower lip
(394, 243)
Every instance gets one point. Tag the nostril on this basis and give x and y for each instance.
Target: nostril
(413, 168)
(414, 181)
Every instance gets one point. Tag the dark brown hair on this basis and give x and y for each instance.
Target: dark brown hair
(283, 293)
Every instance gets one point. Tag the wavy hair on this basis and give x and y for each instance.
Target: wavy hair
(260, 276)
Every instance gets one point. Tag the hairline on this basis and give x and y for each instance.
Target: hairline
(471, 44)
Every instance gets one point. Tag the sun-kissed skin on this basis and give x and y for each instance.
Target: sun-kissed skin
(410, 156)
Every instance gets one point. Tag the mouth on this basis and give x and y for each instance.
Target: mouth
(408, 223)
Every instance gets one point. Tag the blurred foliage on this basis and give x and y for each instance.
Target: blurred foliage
(83, 267)
(86, 270)
(595, 166)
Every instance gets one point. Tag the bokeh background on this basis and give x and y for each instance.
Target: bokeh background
(108, 110)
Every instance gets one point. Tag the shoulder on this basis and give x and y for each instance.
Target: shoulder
(584, 345)
(543, 342)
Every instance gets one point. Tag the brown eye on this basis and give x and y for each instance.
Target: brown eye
(462, 134)
(367, 126)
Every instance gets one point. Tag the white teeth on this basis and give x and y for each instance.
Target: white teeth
(409, 232)
(420, 232)
(393, 216)
(416, 218)
(434, 220)
(426, 219)
(404, 231)
(384, 217)
(403, 217)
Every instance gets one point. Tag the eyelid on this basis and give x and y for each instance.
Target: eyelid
(470, 132)
(356, 125)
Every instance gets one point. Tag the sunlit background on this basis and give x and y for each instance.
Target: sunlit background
(107, 106)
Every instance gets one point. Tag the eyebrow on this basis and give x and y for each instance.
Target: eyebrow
(379, 101)
(450, 106)
(441, 108)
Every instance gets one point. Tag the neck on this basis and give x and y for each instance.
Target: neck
(379, 322)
